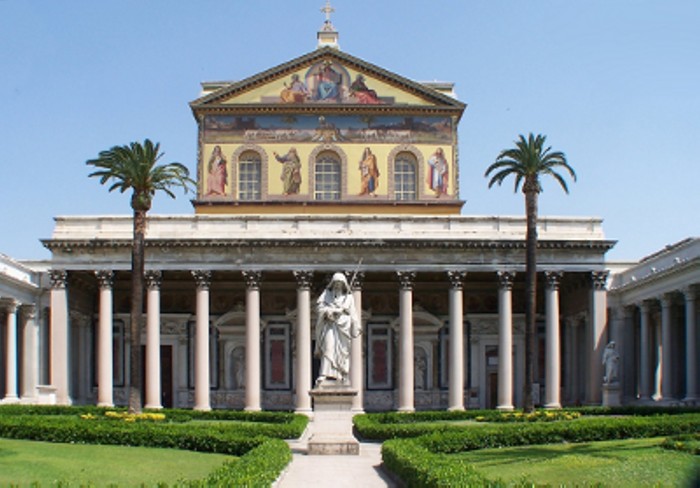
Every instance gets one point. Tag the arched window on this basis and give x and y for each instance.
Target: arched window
(327, 176)
(405, 166)
(249, 176)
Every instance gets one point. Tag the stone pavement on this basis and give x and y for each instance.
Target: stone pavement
(321, 471)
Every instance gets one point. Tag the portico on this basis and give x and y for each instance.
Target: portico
(430, 306)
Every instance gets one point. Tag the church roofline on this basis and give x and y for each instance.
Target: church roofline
(278, 71)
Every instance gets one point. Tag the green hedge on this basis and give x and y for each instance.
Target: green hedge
(582, 430)
(261, 466)
(382, 426)
(260, 458)
(422, 462)
(282, 425)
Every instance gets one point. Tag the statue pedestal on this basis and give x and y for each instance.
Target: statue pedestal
(612, 395)
(331, 429)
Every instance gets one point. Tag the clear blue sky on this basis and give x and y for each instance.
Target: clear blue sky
(615, 84)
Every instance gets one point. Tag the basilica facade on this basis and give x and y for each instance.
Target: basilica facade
(323, 164)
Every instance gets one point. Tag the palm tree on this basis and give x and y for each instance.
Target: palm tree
(134, 168)
(527, 162)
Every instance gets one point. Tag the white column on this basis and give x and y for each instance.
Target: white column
(105, 362)
(456, 363)
(644, 351)
(597, 330)
(30, 351)
(59, 336)
(153, 376)
(505, 341)
(10, 306)
(201, 354)
(252, 349)
(552, 344)
(303, 341)
(406, 373)
(691, 358)
(357, 369)
(666, 351)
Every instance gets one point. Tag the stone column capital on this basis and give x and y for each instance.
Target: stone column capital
(599, 280)
(553, 279)
(506, 279)
(28, 311)
(9, 305)
(457, 279)
(59, 279)
(406, 279)
(252, 279)
(690, 293)
(154, 279)
(202, 278)
(105, 278)
(355, 279)
(304, 279)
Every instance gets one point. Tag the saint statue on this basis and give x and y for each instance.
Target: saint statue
(611, 362)
(337, 324)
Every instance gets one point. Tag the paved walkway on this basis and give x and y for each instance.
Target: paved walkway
(335, 471)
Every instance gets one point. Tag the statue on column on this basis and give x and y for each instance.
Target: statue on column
(611, 362)
(337, 324)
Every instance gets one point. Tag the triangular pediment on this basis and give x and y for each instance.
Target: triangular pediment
(324, 77)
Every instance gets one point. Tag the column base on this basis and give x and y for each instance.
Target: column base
(154, 407)
(252, 409)
(406, 410)
(552, 406)
(10, 400)
(505, 408)
(202, 408)
(691, 400)
(105, 404)
(457, 408)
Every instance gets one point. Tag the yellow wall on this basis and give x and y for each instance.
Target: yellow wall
(304, 150)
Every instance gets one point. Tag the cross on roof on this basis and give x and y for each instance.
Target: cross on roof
(328, 10)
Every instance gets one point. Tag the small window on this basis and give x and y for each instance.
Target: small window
(405, 177)
(327, 177)
(249, 176)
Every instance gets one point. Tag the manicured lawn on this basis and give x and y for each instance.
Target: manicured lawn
(626, 463)
(23, 462)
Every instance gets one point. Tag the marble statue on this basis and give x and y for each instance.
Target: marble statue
(337, 324)
(611, 362)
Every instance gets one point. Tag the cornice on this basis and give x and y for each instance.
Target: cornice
(422, 243)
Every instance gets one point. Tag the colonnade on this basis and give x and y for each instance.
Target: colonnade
(20, 323)
(655, 374)
(303, 360)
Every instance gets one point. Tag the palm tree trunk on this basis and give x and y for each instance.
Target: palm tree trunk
(530, 292)
(137, 272)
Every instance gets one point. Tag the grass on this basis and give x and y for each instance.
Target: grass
(620, 463)
(25, 462)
